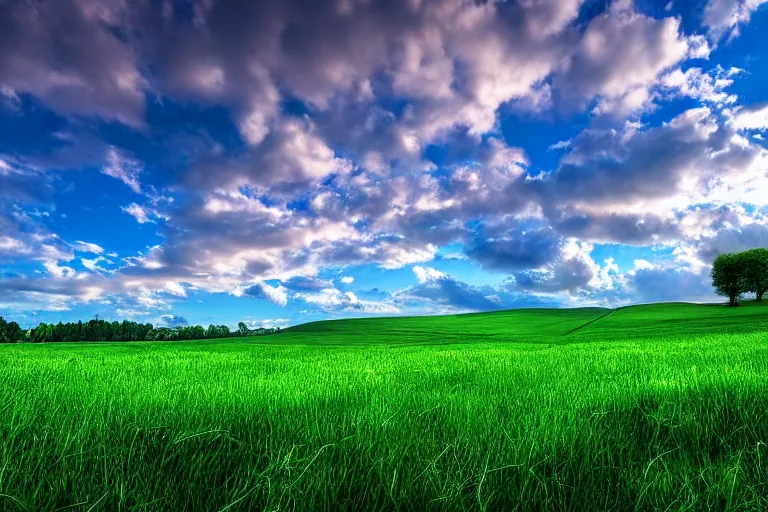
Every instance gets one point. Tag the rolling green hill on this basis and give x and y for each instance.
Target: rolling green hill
(678, 319)
(535, 325)
(511, 325)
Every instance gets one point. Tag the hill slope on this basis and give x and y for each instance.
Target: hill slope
(677, 319)
(537, 325)
(511, 325)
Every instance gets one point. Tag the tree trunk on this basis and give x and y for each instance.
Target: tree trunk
(732, 299)
(760, 295)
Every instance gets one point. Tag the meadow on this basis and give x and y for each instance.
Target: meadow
(661, 407)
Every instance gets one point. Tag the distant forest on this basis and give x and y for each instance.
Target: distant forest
(101, 330)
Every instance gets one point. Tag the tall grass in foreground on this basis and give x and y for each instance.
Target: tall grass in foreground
(662, 424)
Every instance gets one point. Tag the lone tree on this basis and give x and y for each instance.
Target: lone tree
(755, 271)
(728, 276)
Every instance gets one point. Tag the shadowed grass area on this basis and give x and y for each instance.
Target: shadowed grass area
(673, 422)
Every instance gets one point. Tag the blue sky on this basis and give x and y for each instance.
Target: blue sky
(218, 161)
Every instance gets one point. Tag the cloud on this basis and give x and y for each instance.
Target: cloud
(67, 54)
(93, 264)
(572, 270)
(175, 288)
(276, 295)
(304, 283)
(626, 185)
(10, 245)
(440, 292)
(88, 247)
(733, 239)
(143, 214)
(705, 86)
(670, 284)
(426, 274)
(455, 62)
(517, 249)
(389, 251)
(172, 321)
(612, 227)
(292, 153)
(268, 323)
(246, 240)
(23, 183)
(754, 117)
(57, 271)
(442, 288)
(24, 235)
(334, 300)
(563, 144)
(58, 292)
(123, 168)
(347, 280)
(722, 17)
(620, 55)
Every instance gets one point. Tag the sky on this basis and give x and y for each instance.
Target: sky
(213, 161)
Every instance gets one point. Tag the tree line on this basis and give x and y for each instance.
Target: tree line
(102, 330)
(734, 274)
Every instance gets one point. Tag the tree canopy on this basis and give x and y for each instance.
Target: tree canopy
(734, 274)
(102, 330)
(755, 271)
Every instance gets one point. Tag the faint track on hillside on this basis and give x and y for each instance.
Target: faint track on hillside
(575, 329)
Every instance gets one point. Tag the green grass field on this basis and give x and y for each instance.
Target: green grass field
(661, 407)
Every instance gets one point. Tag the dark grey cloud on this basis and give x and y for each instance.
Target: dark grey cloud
(566, 275)
(735, 238)
(445, 292)
(457, 294)
(27, 285)
(613, 167)
(73, 57)
(517, 250)
(624, 228)
(571, 269)
(23, 184)
(304, 283)
(634, 185)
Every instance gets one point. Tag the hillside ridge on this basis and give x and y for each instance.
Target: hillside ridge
(541, 325)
